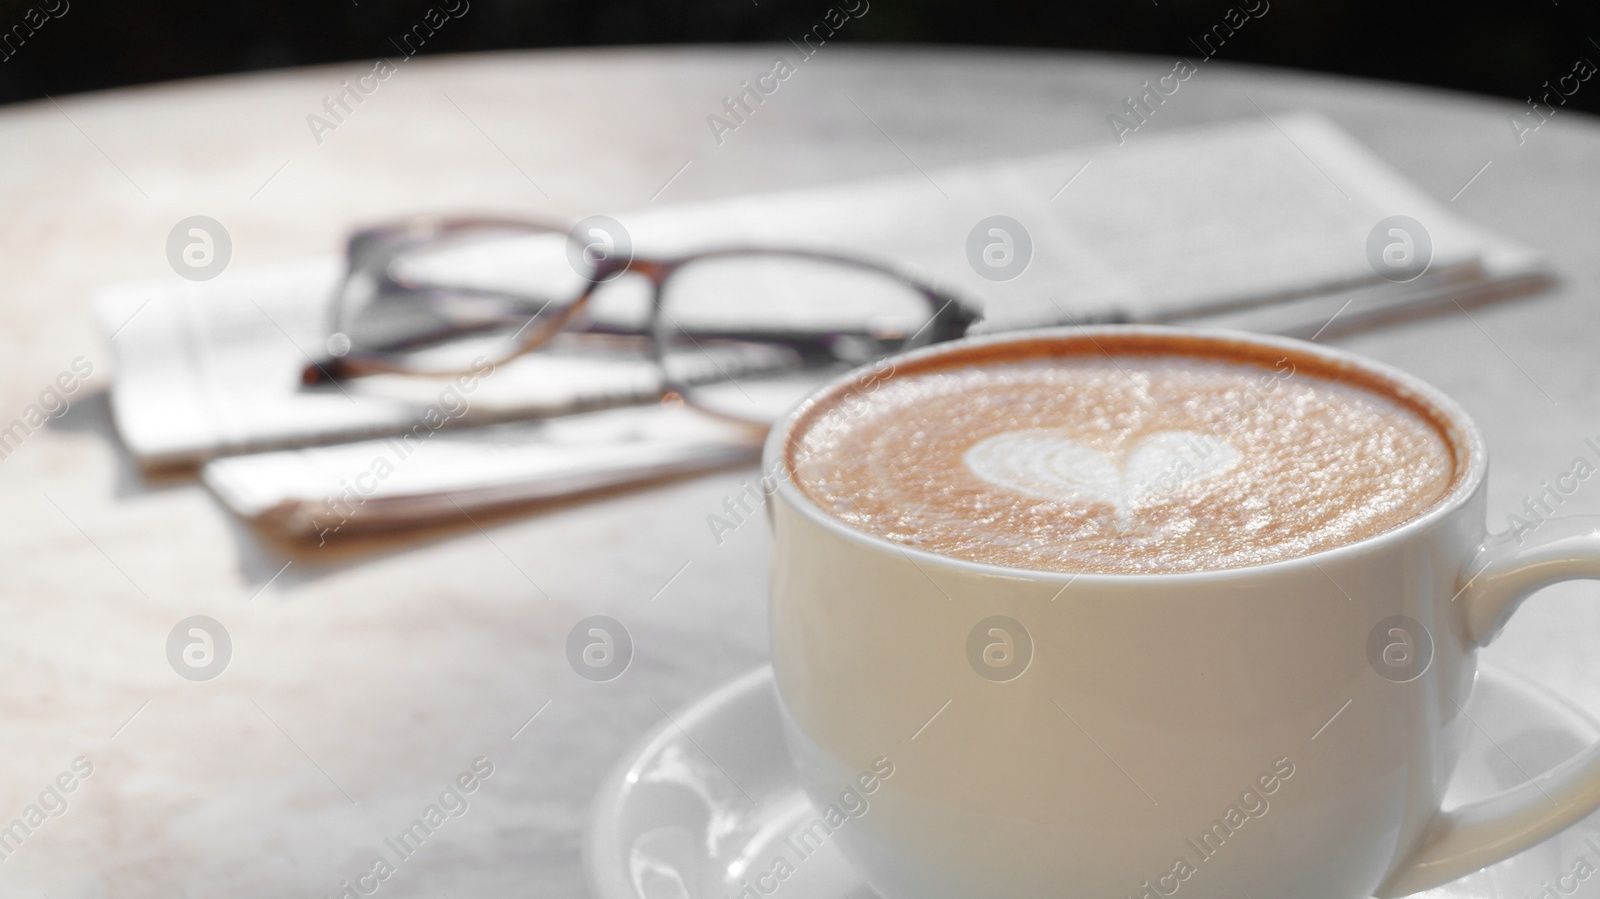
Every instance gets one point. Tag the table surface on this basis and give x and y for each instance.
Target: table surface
(365, 677)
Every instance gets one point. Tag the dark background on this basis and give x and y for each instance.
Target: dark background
(1505, 48)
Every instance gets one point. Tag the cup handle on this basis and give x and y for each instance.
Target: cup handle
(1465, 839)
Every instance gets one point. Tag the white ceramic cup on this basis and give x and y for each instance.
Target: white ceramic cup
(1283, 730)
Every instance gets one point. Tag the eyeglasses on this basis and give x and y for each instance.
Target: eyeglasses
(740, 332)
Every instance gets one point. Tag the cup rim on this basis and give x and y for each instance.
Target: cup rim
(1465, 433)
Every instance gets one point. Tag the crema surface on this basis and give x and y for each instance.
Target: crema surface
(1121, 464)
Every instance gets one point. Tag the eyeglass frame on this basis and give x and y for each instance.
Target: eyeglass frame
(950, 318)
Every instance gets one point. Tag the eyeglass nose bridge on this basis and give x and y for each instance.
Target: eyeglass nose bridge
(609, 269)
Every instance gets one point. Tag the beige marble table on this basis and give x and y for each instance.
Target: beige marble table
(364, 679)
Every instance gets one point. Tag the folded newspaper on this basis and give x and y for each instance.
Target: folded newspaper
(1272, 226)
(418, 477)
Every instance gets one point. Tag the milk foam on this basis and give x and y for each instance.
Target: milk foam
(1131, 464)
(1050, 465)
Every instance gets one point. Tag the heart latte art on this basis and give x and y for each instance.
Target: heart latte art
(1138, 463)
(1050, 465)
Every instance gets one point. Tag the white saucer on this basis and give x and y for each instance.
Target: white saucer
(705, 801)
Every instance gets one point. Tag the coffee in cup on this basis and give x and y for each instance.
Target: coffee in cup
(1116, 456)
